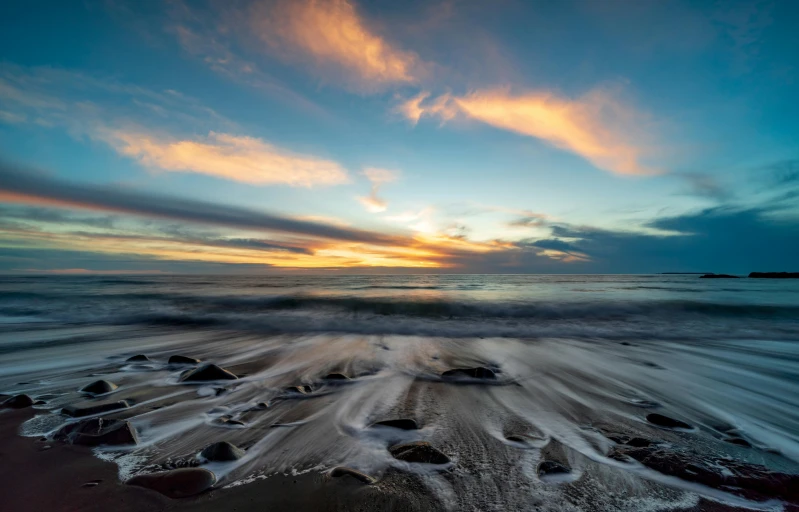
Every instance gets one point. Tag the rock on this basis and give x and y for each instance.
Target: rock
(403, 424)
(361, 477)
(747, 480)
(638, 442)
(775, 275)
(78, 411)
(739, 441)
(99, 387)
(419, 452)
(718, 276)
(207, 372)
(97, 431)
(178, 359)
(222, 452)
(139, 358)
(18, 402)
(298, 390)
(551, 468)
(666, 422)
(475, 373)
(178, 483)
(231, 422)
(336, 377)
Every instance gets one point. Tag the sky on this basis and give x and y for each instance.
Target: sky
(443, 136)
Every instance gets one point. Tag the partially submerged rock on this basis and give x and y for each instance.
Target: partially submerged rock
(666, 422)
(344, 471)
(480, 372)
(740, 441)
(207, 372)
(98, 431)
(18, 402)
(78, 411)
(222, 452)
(298, 390)
(178, 483)
(750, 481)
(551, 468)
(138, 358)
(337, 377)
(99, 387)
(418, 452)
(178, 359)
(402, 424)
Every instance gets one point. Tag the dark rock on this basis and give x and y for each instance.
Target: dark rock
(298, 390)
(666, 422)
(638, 442)
(18, 402)
(750, 481)
(222, 452)
(403, 424)
(550, 467)
(231, 422)
(718, 276)
(207, 372)
(97, 431)
(361, 477)
(419, 452)
(475, 373)
(336, 377)
(99, 387)
(39, 402)
(139, 358)
(740, 441)
(178, 483)
(775, 275)
(78, 411)
(178, 359)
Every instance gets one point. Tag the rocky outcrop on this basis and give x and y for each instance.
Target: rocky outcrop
(99, 387)
(207, 372)
(418, 452)
(666, 422)
(402, 424)
(222, 452)
(139, 358)
(78, 411)
(178, 483)
(98, 431)
(775, 275)
(336, 377)
(747, 480)
(341, 471)
(480, 372)
(550, 468)
(17, 402)
(178, 359)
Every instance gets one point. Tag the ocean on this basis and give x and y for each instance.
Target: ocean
(575, 360)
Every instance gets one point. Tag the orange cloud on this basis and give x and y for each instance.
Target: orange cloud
(238, 158)
(373, 202)
(596, 126)
(334, 36)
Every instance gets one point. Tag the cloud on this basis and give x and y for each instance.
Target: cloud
(334, 37)
(377, 177)
(705, 185)
(29, 187)
(596, 126)
(414, 108)
(238, 158)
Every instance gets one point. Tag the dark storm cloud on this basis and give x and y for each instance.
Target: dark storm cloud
(35, 187)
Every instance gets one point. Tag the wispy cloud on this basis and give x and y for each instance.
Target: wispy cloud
(377, 177)
(238, 158)
(337, 40)
(596, 126)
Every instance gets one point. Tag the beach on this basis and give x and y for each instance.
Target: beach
(658, 392)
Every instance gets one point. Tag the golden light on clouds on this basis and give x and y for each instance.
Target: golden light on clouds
(596, 126)
(377, 177)
(335, 38)
(238, 158)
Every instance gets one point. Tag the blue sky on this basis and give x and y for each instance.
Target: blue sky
(450, 136)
